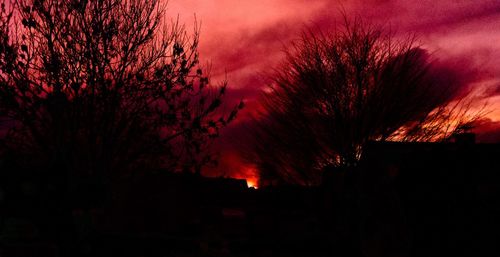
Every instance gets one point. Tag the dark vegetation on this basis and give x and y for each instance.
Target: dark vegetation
(93, 91)
(337, 91)
(105, 87)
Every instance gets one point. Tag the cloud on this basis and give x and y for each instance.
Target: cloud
(493, 90)
(244, 40)
(489, 131)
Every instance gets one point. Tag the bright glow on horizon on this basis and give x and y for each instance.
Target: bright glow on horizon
(252, 183)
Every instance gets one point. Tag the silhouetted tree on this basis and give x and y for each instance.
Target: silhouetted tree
(100, 88)
(106, 86)
(337, 91)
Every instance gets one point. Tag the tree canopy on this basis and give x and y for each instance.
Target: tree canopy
(105, 86)
(336, 91)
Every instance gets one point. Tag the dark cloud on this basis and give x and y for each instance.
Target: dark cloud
(457, 72)
(488, 131)
(425, 15)
(492, 91)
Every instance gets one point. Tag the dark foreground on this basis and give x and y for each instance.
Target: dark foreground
(403, 200)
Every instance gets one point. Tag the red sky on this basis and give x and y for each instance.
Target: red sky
(245, 39)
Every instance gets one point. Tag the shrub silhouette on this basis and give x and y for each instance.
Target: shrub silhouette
(336, 91)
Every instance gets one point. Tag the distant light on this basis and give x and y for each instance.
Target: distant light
(251, 183)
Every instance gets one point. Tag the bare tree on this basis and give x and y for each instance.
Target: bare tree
(106, 86)
(94, 89)
(337, 91)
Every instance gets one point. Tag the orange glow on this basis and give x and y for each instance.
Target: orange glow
(250, 173)
(235, 167)
(252, 182)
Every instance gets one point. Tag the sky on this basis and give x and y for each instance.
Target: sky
(244, 40)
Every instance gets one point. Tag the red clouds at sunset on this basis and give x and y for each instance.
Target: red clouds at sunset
(244, 40)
